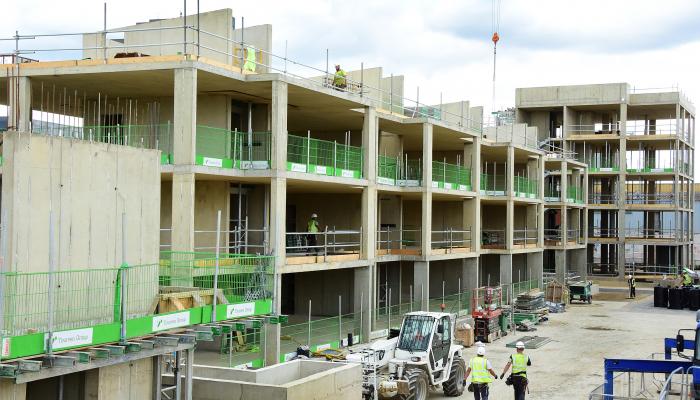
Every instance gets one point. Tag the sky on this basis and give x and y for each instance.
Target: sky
(444, 47)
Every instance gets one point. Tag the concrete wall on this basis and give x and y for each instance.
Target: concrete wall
(295, 380)
(340, 210)
(133, 380)
(323, 289)
(210, 196)
(610, 93)
(43, 174)
(12, 391)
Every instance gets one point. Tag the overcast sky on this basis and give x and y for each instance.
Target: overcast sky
(442, 46)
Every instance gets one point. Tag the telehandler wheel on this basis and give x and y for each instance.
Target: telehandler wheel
(417, 385)
(454, 387)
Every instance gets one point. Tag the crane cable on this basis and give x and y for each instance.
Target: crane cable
(495, 23)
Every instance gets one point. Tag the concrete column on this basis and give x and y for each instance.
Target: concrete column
(505, 273)
(427, 194)
(470, 273)
(471, 219)
(364, 292)
(19, 115)
(278, 211)
(421, 283)
(185, 116)
(132, 380)
(535, 262)
(183, 203)
(370, 138)
(579, 262)
(278, 126)
(9, 390)
(560, 265)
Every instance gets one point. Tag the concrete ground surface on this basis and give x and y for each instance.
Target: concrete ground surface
(571, 365)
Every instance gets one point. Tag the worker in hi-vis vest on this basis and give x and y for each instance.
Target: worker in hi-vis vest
(340, 78)
(249, 59)
(687, 279)
(518, 376)
(481, 370)
(312, 229)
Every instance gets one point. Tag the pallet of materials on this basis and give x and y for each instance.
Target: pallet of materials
(530, 301)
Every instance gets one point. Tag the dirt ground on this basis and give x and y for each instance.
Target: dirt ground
(571, 365)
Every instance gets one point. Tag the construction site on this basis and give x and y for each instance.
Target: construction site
(186, 214)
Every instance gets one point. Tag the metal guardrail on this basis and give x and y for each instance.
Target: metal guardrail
(642, 269)
(524, 237)
(241, 239)
(398, 171)
(396, 239)
(553, 237)
(325, 243)
(602, 233)
(493, 238)
(451, 239)
(649, 198)
(594, 129)
(602, 269)
(652, 233)
(659, 127)
(233, 51)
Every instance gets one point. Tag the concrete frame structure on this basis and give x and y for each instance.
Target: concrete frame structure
(639, 147)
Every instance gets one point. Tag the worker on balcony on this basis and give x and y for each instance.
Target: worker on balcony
(312, 229)
(518, 375)
(340, 79)
(481, 370)
(632, 283)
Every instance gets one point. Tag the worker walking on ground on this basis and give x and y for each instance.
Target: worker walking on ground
(312, 229)
(632, 286)
(340, 78)
(481, 370)
(687, 279)
(518, 376)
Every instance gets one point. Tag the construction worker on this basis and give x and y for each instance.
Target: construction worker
(481, 370)
(340, 78)
(519, 361)
(687, 279)
(632, 286)
(312, 229)
(249, 59)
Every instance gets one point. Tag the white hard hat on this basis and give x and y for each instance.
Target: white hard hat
(480, 344)
(481, 351)
(314, 215)
(520, 345)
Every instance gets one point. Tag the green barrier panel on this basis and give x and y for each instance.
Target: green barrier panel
(323, 157)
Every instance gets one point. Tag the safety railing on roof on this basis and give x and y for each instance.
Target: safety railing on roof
(493, 185)
(493, 238)
(323, 157)
(223, 148)
(451, 240)
(145, 41)
(524, 187)
(398, 241)
(155, 136)
(601, 198)
(647, 127)
(649, 198)
(397, 171)
(451, 176)
(594, 129)
(326, 243)
(524, 237)
(79, 308)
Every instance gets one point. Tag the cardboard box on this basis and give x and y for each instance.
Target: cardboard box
(464, 335)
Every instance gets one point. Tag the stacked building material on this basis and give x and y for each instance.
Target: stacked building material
(530, 301)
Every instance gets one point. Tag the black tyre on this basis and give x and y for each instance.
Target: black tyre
(454, 386)
(418, 384)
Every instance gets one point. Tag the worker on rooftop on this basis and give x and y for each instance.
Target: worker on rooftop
(481, 370)
(312, 229)
(518, 376)
(340, 80)
(250, 61)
